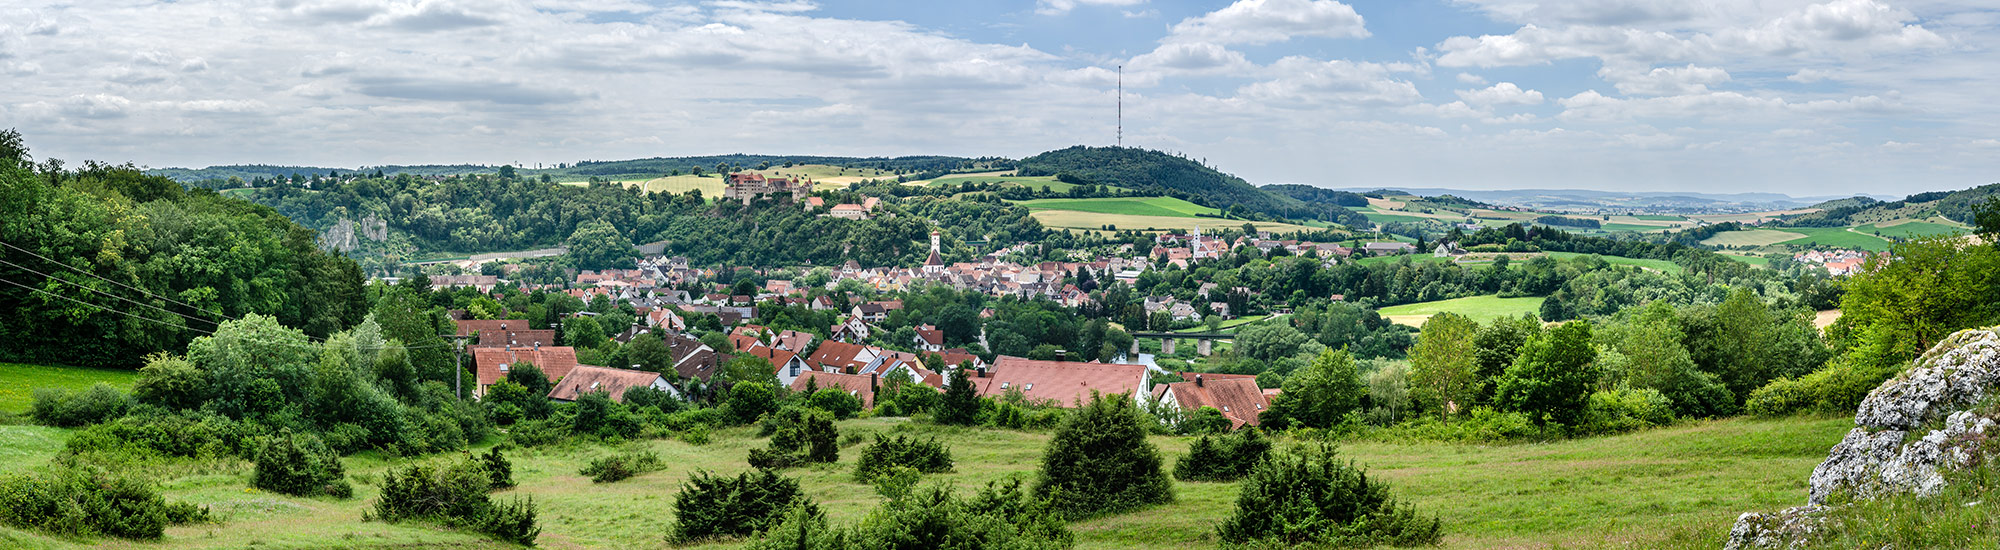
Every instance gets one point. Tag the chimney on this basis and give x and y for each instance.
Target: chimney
(1062, 355)
(1197, 381)
(982, 372)
(874, 382)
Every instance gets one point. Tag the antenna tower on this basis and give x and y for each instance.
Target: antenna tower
(1121, 105)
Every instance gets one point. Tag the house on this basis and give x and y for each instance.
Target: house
(849, 211)
(1237, 397)
(929, 338)
(490, 365)
(785, 363)
(1063, 383)
(1389, 248)
(843, 357)
(871, 312)
(517, 337)
(692, 359)
(586, 379)
(744, 186)
(852, 330)
(1448, 250)
(858, 385)
(484, 283)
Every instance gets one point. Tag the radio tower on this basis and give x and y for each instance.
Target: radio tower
(1121, 105)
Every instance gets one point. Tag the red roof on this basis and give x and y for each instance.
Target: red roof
(1065, 383)
(467, 327)
(931, 335)
(555, 361)
(858, 385)
(585, 379)
(838, 355)
(1239, 398)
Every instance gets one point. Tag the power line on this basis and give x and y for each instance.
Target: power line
(82, 286)
(206, 332)
(141, 317)
(141, 291)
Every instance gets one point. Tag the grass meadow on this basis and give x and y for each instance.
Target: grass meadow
(1478, 308)
(18, 382)
(1656, 265)
(1837, 237)
(1127, 206)
(1685, 483)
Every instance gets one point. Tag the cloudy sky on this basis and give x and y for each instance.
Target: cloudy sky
(1808, 97)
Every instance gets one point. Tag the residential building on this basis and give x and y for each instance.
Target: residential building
(586, 379)
(1237, 397)
(1062, 383)
(490, 365)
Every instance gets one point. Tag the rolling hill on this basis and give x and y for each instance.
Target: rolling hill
(1173, 176)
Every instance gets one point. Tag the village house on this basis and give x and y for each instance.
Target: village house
(587, 379)
(484, 283)
(1380, 249)
(490, 365)
(1236, 396)
(849, 211)
(1061, 383)
(862, 386)
(929, 338)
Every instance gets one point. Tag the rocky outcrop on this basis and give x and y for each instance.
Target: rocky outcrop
(1910, 431)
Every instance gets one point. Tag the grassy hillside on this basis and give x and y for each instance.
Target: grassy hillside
(18, 382)
(1836, 237)
(1479, 308)
(1143, 169)
(1130, 206)
(1638, 490)
(1656, 265)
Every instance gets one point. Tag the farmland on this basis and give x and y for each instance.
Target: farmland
(1072, 219)
(1836, 237)
(1758, 237)
(1656, 265)
(1479, 308)
(1910, 229)
(1647, 489)
(1149, 206)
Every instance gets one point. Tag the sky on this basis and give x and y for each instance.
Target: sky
(1805, 97)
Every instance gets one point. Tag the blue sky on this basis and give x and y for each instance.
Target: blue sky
(1807, 97)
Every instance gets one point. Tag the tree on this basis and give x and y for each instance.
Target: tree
(1899, 306)
(1443, 364)
(650, 353)
(1269, 341)
(1100, 463)
(583, 332)
(961, 401)
(599, 245)
(750, 400)
(1309, 498)
(1496, 344)
(1320, 396)
(1552, 377)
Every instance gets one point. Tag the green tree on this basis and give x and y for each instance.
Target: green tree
(1553, 376)
(650, 353)
(1100, 463)
(1270, 341)
(750, 400)
(583, 332)
(1444, 370)
(1320, 396)
(599, 245)
(961, 402)
(1496, 344)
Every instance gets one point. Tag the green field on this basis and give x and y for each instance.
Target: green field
(1414, 258)
(1836, 237)
(1911, 229)
(1660, 218)
(1389, 218)
(1632, 491)
(18, 382)
(1630, 227)
(1752, 260)
(1479, 308)
(1656, 265)
(1036, 182)
(1128, 206)
(1758, 237)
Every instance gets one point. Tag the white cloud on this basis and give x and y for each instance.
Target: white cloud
(1665, 80)
(1269, 21)
(1504, 93)
(1190, 57)
(1469, 78)
(1808, 76)
(1310, 83)
(1060, 7)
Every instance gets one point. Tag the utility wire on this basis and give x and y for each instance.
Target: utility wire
(206, 332)
(141, 291)
(82, 286)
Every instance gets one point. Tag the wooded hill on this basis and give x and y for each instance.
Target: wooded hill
(1960, 206)
(1169, 175)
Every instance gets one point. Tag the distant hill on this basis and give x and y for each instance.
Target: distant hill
(1960, 206)
(1170, 175)
(927, 166)
(267, 171)
(1590, 200)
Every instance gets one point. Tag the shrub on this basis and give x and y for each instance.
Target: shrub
(455, 495)
(498, 468)
(620, 467)
(1225, 458)
(648, 397)
(798, 436)
(66, 409)
(711, 506)
(1309, 498)
(1099, 462)
(147, 435)
(172, 382)
(597, 415)
(1836, 389)
(999, 516)
(750, 400)
(843, 405)
(87, 501)
(301, 465)
(1624, 410)
(536, 433)
(960, 403)
(926, 456)
(1205, 420)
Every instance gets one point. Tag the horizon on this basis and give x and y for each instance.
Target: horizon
(1812, 98)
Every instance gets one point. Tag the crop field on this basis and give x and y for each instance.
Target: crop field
(17, 382)
(825, 174)
(1128, 206)
(1005, 178)
(1655, 265)
(1414, 258)
(1479, 308)
(1390, 218)
(1836, 237)
(1758, 237)
(1675, 486)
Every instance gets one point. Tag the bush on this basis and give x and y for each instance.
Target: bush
(843, 405)
(1100, 463)
(927, 456)
(798, 436)
(999, 516)
(622, 466)
(149, 433)
(710, 506)
(597, 415)
(1836, 389)
(498, 468)
(66, 409)
(749, 401)
(1624, 410)
(1205, 420)
(455, 495)
(1226, 458)
(300, 465)
(1308, 498)
(536, 433)
(648, 397)
(87, 501)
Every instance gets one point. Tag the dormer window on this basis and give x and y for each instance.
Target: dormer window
(1260, 406)
(1003, 385)
(1029, 387)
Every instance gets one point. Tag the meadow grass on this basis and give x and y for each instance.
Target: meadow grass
(1752, 260)
(1072, 219)
(1758, 237)
(1129, 206)
(1660, 218)
(18, 382)
(1390, 218)
(1414, 258)
(1656, 265)
(1836, 237)
(1911, 229)
(1033, 182)
(1478, 308)
(1686, 482)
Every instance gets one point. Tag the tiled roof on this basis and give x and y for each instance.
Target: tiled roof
(1063, 382)
(467, 327)
(838, 355)
(1239, 399)
(858, 385)
(585, 379)
(490, 338)
(555, 361)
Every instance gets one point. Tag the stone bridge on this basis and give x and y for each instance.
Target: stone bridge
(1203, 341)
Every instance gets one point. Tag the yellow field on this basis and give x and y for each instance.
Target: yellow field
(1385, 204)
(1070, 219)
(1760, 237)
